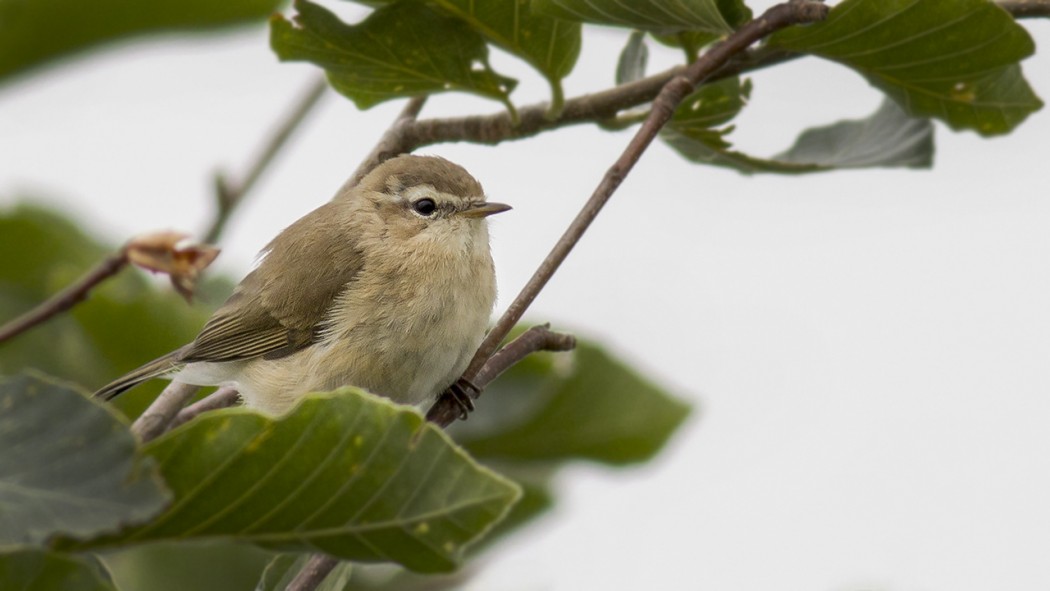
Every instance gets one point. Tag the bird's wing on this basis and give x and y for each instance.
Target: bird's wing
(279, 307)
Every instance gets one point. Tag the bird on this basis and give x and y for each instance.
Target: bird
(388, 287)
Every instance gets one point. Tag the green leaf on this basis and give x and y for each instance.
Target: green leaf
(284, 567)
(401, 50)
(956, 61)
(595, 409)
(663, 16)
(633, 59)
(550, 45)
(889, 138)
(39, 570)
(34, 32)
(346, 473)
(125, 321)
(68, 466)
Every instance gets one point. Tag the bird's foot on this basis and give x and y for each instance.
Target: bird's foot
(463, 392)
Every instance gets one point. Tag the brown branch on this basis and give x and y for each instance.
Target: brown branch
(154, 420)
(313, 573)
(67, 298)
(538, 338)
(229, 194)
(774, 19)
(1026, 8)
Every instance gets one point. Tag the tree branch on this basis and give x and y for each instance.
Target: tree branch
(676, 89)
(313, 573)
(67, 298)
(229, 194)
(538, 338)
(1026, 8)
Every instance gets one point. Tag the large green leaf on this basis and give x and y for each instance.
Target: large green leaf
(956, 61)
(404, 49)
(39, 570)
(125, 322)
(33, 32)
(346, 473)
(592, 408)
(68, 466)
(665, 16)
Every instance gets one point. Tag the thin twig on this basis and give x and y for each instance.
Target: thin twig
(538, 338)
(67, 298)
(229, 194)
(1026, 8)
(776, 18)
(224, 397)
(313, 573)
(155, 420)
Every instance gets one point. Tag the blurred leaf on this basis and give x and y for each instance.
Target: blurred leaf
(889, 137)
(37, 31)
(633, 59)
(284, 567)
(40, 570)
(68, 467)
(956, 61)
(171, 253)
(346, 473)
(401, 50)
(664, 16)
(597, 409)
(124, 322)
(199, 566)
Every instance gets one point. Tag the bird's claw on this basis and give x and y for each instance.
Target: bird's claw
(461, 392)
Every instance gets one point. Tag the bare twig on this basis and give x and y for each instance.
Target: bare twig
(776, 18)
(67, 298)
(229, 194)
(537, 338)
(224, 397)
(313, 573)
(1026, 8)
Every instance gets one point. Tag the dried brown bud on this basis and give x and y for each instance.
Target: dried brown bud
(168, 252)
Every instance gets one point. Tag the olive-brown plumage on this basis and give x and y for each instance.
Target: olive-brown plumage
(388, 287)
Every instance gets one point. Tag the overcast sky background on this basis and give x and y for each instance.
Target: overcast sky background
(868, 350)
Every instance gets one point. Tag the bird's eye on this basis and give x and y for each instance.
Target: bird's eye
(424, 206)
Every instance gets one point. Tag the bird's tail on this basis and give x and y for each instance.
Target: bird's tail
(156, 368)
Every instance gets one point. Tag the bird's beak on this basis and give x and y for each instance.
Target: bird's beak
(483, 210)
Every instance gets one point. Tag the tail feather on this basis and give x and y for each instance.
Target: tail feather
(154, 369)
